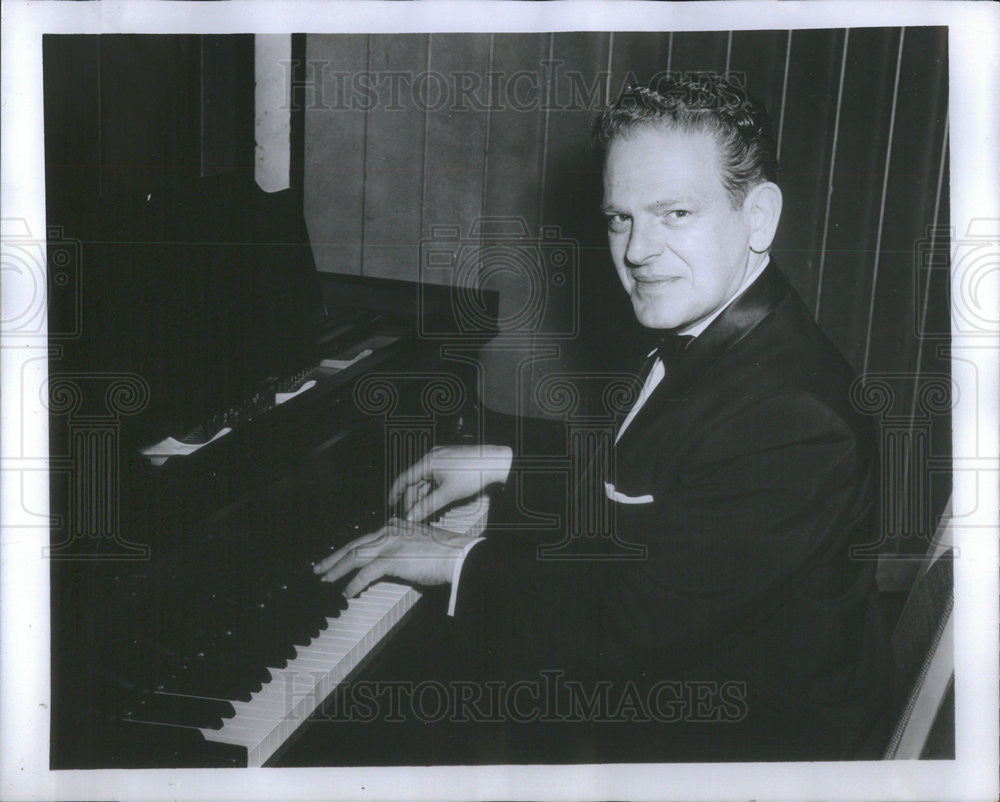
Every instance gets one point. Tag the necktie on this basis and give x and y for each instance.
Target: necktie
(668, 347)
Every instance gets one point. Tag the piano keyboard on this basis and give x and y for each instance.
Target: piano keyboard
(274, 712)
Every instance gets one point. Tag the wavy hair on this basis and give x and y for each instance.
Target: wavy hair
(712, 103)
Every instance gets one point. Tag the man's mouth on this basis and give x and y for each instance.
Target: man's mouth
(652, 282)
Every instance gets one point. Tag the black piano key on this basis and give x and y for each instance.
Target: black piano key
(247, 676)
(191, 642)
(197, 684)
(233, 648)
(198, 676)
(259, 647)
(277, 662)
(291, 614)
(308, 620)
(236, 648)
(270, 624)
(192, 675)
(179, 710)
(242, 663)
(142, 659)
(216, 708)
(263, 619)
(331, 599)
(273, 646)
(220, 669)
(145, 745)
(312, 608)
(310, 599)
(176, 715)
(243, 650)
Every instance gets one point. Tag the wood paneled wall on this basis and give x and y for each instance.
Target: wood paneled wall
(861, 121)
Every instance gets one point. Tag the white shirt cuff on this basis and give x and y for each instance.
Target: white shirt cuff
(458, 572)
(508, 460)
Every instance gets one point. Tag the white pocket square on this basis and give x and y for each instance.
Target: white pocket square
(621, 498)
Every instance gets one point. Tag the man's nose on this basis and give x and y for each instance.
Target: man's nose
(645, 243)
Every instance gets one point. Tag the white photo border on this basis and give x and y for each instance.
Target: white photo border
(974, 34)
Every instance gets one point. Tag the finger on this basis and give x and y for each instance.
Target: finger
(337, 556)
(426, 506)
(355, 558)
(369, 574)
(356, 549)
(337, 571)
(416, 492)
(412, 475)
(401, 483)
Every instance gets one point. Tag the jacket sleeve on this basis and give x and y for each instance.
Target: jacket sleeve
(762, 494)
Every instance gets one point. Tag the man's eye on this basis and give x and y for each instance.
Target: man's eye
(617, 222)
(678, 214)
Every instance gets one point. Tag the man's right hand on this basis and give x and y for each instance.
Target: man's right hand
(448, 474)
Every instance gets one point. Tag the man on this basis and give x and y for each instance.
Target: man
(742, 471)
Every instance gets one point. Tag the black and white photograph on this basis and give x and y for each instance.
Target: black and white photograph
(500, 400)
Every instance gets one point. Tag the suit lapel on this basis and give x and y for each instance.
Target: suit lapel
(735, 322)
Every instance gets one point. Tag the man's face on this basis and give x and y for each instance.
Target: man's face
(680, 248)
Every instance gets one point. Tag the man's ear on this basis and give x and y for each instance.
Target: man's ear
(763, 204)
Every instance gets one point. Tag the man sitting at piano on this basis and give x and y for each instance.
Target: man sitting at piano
(741, 471)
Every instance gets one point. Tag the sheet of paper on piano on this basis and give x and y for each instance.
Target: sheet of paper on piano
(158, 453)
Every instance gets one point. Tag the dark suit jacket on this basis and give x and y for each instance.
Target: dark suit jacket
(746, 478)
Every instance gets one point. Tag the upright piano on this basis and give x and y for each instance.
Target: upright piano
(224, 418)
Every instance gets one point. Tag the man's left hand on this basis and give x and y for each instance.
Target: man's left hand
(406, 550)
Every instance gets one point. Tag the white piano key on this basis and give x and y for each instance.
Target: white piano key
(259, 701)
(234, 734)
